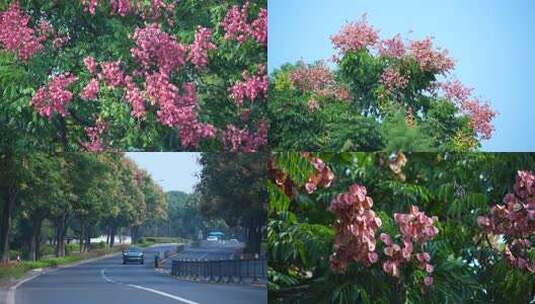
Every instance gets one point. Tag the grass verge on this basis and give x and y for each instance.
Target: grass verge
(17, 270)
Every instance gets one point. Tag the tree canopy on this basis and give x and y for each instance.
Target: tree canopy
(133, 75)
(383, 94)
(85, 194)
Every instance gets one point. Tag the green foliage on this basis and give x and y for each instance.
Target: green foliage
(455, 187)
(402, 137)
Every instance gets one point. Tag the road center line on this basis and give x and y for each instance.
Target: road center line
(179, 299)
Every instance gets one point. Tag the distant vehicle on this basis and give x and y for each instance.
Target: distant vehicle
(217, 234)
(212, 238)
(133, 254)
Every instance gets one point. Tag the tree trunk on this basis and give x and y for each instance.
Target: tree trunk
(108, 237)
(135, 234)
(82, 235)
(112, 236)
(38, 238)
(9, 202)
(35, 238)
(87, 246)
(60, 235)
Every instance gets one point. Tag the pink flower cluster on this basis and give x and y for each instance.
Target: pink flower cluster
(54, 97)
(160, 91)
(90, 5)
(198, 51)
(252, 87)
(237, 27)
(125, 7)
(91, 90)
(416, 228)
(455, 91)
(159, 54)
(393, 81)
(90, 64)
(392, 47)
(135, 97)
(355, 36)
(416, 225)
(355, 227)
(481, 114)
(15, 34)
(515, 220)
(259, 27)
(314, 78)
(430, 59)
(177, 110)
(319, 80)
(122, 7)
(94, 133)
(242, 140)
(323, 177)
(112, 74)
(153, 46)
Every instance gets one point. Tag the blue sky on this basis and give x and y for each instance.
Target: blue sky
(172, 171)
(493, 43)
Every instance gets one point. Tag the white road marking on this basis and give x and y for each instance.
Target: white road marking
(105, 277)
(179, 299)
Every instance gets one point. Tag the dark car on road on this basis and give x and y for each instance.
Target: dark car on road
(133, 254)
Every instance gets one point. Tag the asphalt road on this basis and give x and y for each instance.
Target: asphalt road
(109, 281)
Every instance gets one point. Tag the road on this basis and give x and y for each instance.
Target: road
(108, 281)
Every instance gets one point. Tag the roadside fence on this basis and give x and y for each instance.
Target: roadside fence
(251, 270)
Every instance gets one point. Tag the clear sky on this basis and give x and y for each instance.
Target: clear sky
(172, 171)
(493, 42)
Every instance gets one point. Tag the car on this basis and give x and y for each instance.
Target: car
(212, 238)
(133, 254)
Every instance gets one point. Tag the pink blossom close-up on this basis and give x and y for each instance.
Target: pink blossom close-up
(112, 74)
(393, 80)
(16, 35)
(243, 140)
(90, 64)
(94, 133)
(198, 51)
(238, 27)
(430, 59)
(155, 48)
(251, 88)
(394, 47)
(91, 90)
(515, 220)
(355, 36)
(54, 97)
(356, 224)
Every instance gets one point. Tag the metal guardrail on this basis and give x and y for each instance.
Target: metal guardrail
(221, 271)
